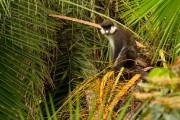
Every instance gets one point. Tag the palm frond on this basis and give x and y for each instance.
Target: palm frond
(160, 22)
(24, 49)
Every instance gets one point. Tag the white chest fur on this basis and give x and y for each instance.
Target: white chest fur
(111, 41)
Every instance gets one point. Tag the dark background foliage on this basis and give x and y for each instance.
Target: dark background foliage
(40, 54)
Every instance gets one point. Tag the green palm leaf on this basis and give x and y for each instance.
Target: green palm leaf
(161, 18)
(24, 52)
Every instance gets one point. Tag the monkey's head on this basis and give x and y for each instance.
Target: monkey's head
(108, 27)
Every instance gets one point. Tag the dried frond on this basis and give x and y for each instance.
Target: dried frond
(143, 96)
(170, 102)
(164, 80)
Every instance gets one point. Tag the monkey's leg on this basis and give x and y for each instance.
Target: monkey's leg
(131, 57)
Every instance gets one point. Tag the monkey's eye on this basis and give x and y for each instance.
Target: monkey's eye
(107, 27)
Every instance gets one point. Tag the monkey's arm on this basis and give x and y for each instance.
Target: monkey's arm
(120, 59)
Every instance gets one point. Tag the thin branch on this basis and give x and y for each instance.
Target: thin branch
(86, 23)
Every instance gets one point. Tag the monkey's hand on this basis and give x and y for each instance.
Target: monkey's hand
(109, 69)
(120, 60)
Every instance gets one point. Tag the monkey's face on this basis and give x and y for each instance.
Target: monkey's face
(108, 27)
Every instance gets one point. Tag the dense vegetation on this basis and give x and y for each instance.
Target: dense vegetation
(51, 68)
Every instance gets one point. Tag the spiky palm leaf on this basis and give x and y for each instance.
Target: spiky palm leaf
(27, 53)
(159, 23)
(25, 43)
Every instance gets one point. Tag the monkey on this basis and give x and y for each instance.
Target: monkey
(124, 48)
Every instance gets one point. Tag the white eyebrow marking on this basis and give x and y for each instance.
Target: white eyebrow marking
(113, 29)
